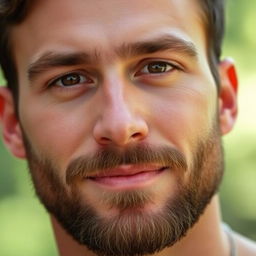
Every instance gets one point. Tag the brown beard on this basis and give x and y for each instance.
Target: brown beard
(133, 231)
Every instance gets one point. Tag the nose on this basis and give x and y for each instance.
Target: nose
(120, 122)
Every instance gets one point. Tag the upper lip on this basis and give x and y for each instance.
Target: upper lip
(127, 170)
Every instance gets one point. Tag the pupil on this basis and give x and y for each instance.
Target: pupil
(71, 80)
(157, 67)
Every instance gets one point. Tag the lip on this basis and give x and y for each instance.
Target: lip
(128, 176)
(127, 170)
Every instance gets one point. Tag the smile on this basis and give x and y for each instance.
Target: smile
(128, 176)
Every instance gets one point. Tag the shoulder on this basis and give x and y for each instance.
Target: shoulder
(245, 246)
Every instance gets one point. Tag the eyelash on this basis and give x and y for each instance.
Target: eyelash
(89, 81)
(55, 81)
(171, 65)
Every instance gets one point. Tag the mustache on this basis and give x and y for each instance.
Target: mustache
(109, 158)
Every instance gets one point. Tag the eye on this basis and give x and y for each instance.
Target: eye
(71, 79)
(157, 67)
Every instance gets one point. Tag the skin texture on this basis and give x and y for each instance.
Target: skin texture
(119, 104)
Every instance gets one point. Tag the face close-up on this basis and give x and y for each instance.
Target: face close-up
(120, 118)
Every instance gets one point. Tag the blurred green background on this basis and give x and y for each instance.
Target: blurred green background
(24, 224)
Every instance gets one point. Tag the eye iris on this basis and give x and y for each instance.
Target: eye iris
(71, 80)
(158, 67)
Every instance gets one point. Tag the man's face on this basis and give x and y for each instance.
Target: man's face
(119, 114)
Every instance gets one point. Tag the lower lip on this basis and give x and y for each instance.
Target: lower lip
(129, 181)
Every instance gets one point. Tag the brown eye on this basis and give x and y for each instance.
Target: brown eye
(71, 80)
(157, 67)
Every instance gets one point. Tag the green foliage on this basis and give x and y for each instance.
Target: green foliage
(25, 228)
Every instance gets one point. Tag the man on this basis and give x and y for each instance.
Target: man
(119, 107)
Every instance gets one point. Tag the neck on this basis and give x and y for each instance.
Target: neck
(205, 238)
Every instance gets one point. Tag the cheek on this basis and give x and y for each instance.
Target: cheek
(185, 115)
(55, 131)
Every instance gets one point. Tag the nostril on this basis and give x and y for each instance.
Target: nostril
(136, 135)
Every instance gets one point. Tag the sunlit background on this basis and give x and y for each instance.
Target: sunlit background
(24, 224)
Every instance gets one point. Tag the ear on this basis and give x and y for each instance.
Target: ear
(12, 134)
(227, 95)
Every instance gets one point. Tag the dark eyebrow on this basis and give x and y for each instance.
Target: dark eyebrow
(163, 43)
(51, 59)
(57, 59)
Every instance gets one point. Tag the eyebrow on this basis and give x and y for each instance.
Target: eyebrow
(163, 43)
(55, 59)
(171, 43)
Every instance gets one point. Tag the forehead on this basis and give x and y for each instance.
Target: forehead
(86, 24)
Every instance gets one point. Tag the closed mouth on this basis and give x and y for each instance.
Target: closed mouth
(128, 177)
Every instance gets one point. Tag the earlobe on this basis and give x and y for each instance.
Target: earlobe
(12, 134)
(227, 95)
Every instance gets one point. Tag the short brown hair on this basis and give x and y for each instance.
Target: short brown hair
(12, 12)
